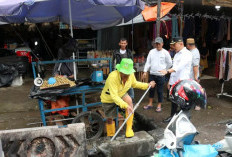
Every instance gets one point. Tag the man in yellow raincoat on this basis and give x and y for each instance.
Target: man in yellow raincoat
(115, 94)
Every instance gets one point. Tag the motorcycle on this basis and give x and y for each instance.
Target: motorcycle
(178, 140)
(224, 147)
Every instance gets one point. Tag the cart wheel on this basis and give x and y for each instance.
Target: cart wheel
(94, 124)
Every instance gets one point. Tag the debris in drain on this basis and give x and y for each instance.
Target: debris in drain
(142, 123)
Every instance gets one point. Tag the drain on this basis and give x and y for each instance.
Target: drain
(42, 147)
(142, 123)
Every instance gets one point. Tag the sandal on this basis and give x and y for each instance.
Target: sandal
(158, 109)
(147, 107)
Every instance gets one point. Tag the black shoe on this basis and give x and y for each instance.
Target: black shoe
(167, 119)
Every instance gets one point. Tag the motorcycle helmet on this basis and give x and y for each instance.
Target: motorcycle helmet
(187, 94)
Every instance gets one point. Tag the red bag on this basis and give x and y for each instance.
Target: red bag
(60, 103)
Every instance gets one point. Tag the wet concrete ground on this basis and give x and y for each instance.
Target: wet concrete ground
(17, 110)
(210, 122)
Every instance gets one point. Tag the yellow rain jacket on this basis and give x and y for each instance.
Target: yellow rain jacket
(114, 88)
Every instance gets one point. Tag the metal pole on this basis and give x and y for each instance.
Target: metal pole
(70, 17)
(74, 63)
(136, 106)
(158, 19)
(74, 67)
(132, 35)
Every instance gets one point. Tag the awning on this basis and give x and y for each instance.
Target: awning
(84, 13)
(150, 13)
(140, 19)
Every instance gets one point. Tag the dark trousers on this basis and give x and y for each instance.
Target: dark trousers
(159, 80)
(174, 108)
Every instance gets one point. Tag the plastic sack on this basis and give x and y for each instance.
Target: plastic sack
(7, 74)
(46, 94)
(199, 151)
(63, 101)
(165, 152)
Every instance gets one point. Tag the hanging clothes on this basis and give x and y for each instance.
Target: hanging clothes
(221, 65)
(154, 31)
(181, 25)
(197, 26)
(217, 63)
(222, 30)
(189, 29)
(175, 32)
(225, 65)
(230, 67)
(228, 30)
(164, 29)
(204, 27)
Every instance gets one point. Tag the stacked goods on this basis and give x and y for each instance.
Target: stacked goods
(60, 81)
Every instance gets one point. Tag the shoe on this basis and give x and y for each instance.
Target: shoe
(167, 119)
(110, 129)
(148, 107)
(158, 109)
(129, 123)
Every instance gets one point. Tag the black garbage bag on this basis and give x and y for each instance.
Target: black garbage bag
(19, 62)
(7, 74)
(45, 94)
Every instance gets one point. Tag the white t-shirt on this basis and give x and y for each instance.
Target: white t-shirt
(122, 51)
(158, 60)
(195, 61)
(182, 65)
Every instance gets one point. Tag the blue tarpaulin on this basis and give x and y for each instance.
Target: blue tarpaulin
(95, 14)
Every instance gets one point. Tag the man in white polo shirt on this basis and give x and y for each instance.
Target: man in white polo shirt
(157, 59)
(182, 64)
(194, 73)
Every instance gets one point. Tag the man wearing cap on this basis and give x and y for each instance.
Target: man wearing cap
(157, 59)
(194, 73)
(115, 94)
(172, 53)
(180, 70)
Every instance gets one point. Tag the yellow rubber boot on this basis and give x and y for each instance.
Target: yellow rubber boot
(110, 129)
(129, 123)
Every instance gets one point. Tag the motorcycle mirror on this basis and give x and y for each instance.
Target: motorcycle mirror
(38, 81)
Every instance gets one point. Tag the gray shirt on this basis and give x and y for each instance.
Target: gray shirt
(195, 62)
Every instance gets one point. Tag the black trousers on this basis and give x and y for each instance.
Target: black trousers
(159, 80)
(174, 107)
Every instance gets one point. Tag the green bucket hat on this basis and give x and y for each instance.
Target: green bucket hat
(126, 66)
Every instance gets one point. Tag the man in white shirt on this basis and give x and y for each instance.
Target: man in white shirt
(180, 70)
(157, 59)
(194, 73)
